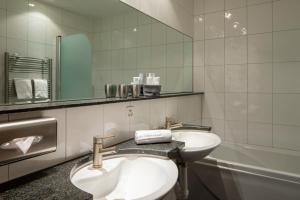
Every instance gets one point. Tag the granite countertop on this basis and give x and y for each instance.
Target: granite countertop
(49, 184)
(170, 150)
(54, 183)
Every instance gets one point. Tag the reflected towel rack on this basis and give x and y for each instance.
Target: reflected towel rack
(25, 67)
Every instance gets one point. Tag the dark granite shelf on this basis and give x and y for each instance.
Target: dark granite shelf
(54, 183)
(164, 149)
(4, 109)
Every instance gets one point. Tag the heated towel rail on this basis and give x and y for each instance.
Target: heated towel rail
(25, 67)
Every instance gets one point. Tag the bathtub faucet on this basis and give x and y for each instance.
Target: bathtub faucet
(172, 124)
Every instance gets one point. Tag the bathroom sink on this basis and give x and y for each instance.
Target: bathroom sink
(198, 144)
(127, 177)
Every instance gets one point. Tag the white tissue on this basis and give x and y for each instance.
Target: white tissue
(153, 136)
(25, 144)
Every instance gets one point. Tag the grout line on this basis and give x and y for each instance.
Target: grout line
(27, 29)
(258, 63)
(224, 70)
(291, 125)
(204, 62)
(272, 73)
(235, 8)
(251, 34)
(236, 36)
(247, 75)
(66, 129)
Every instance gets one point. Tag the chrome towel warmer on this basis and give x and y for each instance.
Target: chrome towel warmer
(25, 67)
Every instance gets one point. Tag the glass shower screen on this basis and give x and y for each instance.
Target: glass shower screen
(75, 73)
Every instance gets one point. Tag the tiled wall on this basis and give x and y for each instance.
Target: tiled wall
(118, 49)
(32, 31)
(3, 169)
(175, 13)
(247, 60)
(77, 126)
(113, 119)
(133, 43)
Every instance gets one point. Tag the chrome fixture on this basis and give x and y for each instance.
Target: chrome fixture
(110, 90)
(18, 67)
(99, 151)
(172, 124)
(123, 90)
(136, 90)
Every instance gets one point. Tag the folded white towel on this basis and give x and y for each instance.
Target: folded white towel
(153, 136)
(40, 88)
(23, 88)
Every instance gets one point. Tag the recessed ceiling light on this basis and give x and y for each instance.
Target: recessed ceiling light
(228, 15)
(31, 4)
(244, 31)
(235, 25)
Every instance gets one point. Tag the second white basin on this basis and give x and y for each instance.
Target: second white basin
(127, 177)
(198, 144)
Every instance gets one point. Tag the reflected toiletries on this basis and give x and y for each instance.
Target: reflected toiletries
(110, 90)
(123, 90)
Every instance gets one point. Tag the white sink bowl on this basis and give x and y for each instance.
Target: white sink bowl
(127, 177)
(198, 144)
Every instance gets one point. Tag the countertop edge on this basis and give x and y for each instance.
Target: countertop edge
(6, 109)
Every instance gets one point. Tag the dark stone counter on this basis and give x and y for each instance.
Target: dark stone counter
(170, 150)
(54, 183)
(48, 184)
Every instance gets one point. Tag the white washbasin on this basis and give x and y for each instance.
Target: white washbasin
(198, 144)
(127, 177)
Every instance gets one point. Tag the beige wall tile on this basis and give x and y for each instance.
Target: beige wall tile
(82, 124)
(116, 122)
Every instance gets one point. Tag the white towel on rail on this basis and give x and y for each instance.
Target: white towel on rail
(40, 88)
(23, 88)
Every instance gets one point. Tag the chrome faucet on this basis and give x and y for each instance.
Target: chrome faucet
(99, 151)
(172, 124)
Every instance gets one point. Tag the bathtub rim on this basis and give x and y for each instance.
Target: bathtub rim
(250, 170)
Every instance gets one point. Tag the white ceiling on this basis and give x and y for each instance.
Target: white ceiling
(94, 8)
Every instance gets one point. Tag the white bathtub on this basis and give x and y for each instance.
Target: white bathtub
(245, 172)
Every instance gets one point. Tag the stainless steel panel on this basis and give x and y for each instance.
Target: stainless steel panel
(20, 140)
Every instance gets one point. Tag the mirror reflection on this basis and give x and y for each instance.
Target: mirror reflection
(57, 50)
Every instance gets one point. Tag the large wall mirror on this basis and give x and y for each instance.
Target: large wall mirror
(101, 42)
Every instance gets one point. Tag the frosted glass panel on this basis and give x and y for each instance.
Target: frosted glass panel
(76, 67)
